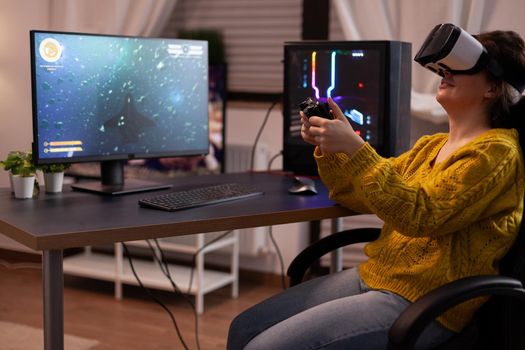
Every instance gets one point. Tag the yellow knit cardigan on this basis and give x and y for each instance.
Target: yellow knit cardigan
(443, 221)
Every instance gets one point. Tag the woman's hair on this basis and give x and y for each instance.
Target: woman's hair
(508, 50)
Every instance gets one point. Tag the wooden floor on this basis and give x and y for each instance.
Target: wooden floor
(136, 322)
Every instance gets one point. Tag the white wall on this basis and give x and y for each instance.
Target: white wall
(16, 19)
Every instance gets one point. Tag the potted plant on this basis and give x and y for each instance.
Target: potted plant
(11, 164)
(53, 176)
(22, 172)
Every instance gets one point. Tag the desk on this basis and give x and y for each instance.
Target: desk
(53, 222)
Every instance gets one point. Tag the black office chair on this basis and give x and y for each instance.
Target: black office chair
(498, 324)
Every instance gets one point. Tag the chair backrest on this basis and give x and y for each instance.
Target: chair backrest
(501, 320)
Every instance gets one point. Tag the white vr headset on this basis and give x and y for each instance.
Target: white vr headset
(448, 48)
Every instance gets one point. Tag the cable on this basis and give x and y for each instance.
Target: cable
(166, 272)
(161, 261)
(283, 279)
(270, 232)
(16, 266)
(194, 257)
(163, 264)
(152, 296)
(252, 159)
(274, 158)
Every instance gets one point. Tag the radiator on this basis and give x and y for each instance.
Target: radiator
(252, 241)
(238, 157)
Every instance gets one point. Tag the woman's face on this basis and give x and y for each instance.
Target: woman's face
(463, 90)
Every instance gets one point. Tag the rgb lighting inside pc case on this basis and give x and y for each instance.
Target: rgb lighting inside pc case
(369, 80)
(345, 76)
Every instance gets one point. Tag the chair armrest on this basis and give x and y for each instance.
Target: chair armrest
(310, 254)
(410, 324)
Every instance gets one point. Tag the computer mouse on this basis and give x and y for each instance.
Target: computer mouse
(302, 185)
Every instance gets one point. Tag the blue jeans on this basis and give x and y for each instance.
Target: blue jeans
(336, 311)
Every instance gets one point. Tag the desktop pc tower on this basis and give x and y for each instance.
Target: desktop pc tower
(369, 80)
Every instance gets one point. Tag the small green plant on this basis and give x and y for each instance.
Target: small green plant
(19, 163)
(12, 162)
(53, 168)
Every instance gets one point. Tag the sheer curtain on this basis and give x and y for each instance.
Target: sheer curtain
(410, 20)
(125, 17)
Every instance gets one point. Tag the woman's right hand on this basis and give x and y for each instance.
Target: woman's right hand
(305, 131)
(331, 136)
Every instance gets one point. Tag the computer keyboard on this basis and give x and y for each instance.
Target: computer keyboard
(199, 196)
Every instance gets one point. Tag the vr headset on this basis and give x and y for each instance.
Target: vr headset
(449, 48)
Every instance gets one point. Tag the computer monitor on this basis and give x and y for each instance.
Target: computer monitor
(369, 80)
(111, 98)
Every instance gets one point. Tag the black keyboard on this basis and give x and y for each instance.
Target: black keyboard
(199, 196)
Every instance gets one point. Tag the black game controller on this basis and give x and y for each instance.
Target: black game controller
(311, 107)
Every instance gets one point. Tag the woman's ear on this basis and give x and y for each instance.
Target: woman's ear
(492, 91)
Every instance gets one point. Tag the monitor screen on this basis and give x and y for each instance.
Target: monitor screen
(102, 98)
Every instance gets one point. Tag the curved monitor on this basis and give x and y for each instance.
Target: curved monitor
(113, 98)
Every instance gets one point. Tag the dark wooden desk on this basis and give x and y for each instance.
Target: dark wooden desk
(54, 222)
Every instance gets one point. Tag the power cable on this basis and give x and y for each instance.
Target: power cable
(152, 296)
(194, 257)
(163, 264)
(254, 147)
(279, 255)
(272, 159)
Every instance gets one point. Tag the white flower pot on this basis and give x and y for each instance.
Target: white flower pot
(23, 186)
(53, 182)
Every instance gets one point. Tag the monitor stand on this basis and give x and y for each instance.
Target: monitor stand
(113, 183)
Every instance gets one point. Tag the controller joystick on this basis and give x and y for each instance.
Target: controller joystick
(311, 107)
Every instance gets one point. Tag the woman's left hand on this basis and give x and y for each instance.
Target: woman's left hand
(336, 135)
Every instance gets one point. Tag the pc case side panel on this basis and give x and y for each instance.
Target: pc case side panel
(400, 80)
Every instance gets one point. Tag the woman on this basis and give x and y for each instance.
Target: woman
(452, 206)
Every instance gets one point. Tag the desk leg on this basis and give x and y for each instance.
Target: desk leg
(53, 284)
(336, 264)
